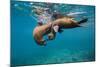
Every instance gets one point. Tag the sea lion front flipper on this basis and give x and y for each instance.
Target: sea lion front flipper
(56, 28)
(60, 30)
(51, 36)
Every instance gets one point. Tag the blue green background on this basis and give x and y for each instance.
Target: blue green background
(73, 45)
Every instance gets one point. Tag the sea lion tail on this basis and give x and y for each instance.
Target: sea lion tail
(83, 20)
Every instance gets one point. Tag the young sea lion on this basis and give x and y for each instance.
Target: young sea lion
(63, 22)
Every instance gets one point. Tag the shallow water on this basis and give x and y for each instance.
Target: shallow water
(73, 45)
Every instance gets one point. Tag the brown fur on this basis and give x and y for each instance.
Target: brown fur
(39, 32)
(64, 22)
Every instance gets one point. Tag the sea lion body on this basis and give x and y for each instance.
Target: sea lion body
(64, 22)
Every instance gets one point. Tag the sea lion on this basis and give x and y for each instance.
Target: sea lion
(40, 31)
(65, 22)
(62, 22)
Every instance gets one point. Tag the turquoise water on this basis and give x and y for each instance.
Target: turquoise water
(73, 45)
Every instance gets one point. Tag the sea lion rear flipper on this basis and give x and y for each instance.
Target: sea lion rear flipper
(83, 20)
